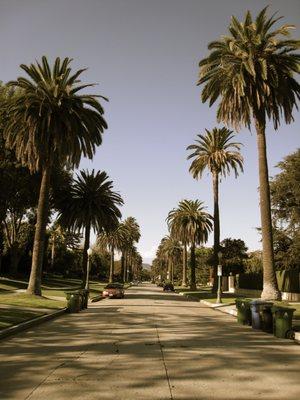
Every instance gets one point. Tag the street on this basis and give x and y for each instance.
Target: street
(150, 345)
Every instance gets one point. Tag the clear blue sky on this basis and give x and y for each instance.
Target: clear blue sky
(144, 55)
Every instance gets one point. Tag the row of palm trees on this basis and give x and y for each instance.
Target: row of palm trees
(189, 226)
(251, 71)
(123, 238)
(50, 123)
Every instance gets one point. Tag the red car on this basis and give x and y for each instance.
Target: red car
(114, 290)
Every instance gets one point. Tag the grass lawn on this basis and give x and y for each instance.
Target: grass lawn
(24, 307)
(51, 286)
(26, 300)
(10, 317)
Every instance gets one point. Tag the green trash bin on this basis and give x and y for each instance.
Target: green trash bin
(283, 317)
(73, 302)
(243, 311)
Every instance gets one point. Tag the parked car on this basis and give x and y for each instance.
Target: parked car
(114, 290)
(168, 287)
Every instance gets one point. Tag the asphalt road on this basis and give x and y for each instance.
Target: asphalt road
(149, 345)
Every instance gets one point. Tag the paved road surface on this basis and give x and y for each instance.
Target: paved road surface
(150, 346)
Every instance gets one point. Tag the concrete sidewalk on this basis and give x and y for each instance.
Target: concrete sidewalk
(150, 345)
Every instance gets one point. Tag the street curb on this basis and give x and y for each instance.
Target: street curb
(32, 322)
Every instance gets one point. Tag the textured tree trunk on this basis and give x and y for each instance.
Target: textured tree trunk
(216, 230)
(270, 286)
(34, 286)
(112, 264)
(122, 265)
(125, 266)
(193, 268)
(184, 265)
(85, 254)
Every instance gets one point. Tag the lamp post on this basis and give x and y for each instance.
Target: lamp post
(89, 253)
(219, 299)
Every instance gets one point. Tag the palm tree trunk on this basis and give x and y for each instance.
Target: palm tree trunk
(34, 286)
(193, 268)
(216, 230)
(122, 265)
(125, 266)
(85, 255)
(270, 286)
(52, 253)
(112, 264)
(184, 265)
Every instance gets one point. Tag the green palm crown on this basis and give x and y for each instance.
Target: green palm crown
(49, 120)
(252, 70)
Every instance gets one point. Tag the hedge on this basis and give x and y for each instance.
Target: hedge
(288, 281)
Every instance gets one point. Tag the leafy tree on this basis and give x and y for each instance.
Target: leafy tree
(216, 152)
(204, 256)
(285, 200)
(50, 123)
(234, 254)
(90, 203)
(254, 262)
(252, 70)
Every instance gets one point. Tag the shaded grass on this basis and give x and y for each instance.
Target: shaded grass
(11, 317)
(26, 300)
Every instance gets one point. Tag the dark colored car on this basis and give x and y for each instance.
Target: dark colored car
(169, 287)
(114, 290)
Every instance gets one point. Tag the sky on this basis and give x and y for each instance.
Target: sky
(144, 57)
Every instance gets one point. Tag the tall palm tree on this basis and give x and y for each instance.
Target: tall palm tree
(49, 123)
(171, 248)
(133, 237)
(113, 239)
(216, 152)
(90, 203)
(252, 72)
(197, 224)
(178, 231)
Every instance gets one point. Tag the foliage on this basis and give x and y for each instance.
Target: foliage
(254, 262)
(203, 264)
(285, 197)
(234, 253)
(251, 70)
(216, 152)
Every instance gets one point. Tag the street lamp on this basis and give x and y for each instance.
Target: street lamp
(89, 253)
(219, 300)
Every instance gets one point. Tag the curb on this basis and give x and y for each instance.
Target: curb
(32, 322)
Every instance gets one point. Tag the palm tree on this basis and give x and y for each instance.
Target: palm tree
(90, 203)
(216, 152)
(197, 224)
(133, 237)
(50, 123)
(252, 72)
(113, 239)
(177, 230)
(171, 248)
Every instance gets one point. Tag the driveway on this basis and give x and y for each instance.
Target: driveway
(150, 345)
